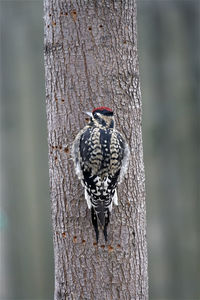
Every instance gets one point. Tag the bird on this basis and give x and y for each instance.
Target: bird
(101, 157)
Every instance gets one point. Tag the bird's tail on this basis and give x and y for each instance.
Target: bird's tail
(100, 211)
(102, 214)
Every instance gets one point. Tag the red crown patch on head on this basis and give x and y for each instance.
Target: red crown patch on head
(102, 108)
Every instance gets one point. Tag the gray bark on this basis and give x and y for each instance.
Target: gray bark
(91, 60)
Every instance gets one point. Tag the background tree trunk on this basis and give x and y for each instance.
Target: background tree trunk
(91, 60)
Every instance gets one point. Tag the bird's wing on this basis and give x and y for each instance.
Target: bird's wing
(119, 155)
(91, 156)
(75, 152)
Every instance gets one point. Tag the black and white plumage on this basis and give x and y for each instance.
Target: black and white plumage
(100, 156)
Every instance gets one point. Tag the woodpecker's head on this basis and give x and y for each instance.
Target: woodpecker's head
(101, 117)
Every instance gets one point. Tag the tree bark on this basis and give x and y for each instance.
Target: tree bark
(91, 60)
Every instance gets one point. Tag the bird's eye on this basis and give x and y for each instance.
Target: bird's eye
(97, 115)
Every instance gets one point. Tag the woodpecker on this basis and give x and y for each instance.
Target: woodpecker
(100, 154)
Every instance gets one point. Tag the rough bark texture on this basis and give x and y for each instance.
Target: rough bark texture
(91, 60)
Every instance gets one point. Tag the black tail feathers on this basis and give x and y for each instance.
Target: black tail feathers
(103, 215)
(95, 223)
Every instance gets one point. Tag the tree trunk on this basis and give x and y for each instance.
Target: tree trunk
(91, 60)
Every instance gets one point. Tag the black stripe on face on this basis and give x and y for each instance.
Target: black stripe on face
(100, 120)
(111, 124)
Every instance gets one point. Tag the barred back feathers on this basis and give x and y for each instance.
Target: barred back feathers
(101, 156)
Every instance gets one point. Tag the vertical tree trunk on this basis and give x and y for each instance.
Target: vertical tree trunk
(91, 60)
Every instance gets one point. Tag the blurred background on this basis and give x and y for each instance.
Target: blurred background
(169, 51)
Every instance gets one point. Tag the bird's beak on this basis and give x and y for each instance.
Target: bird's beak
(88, 113)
